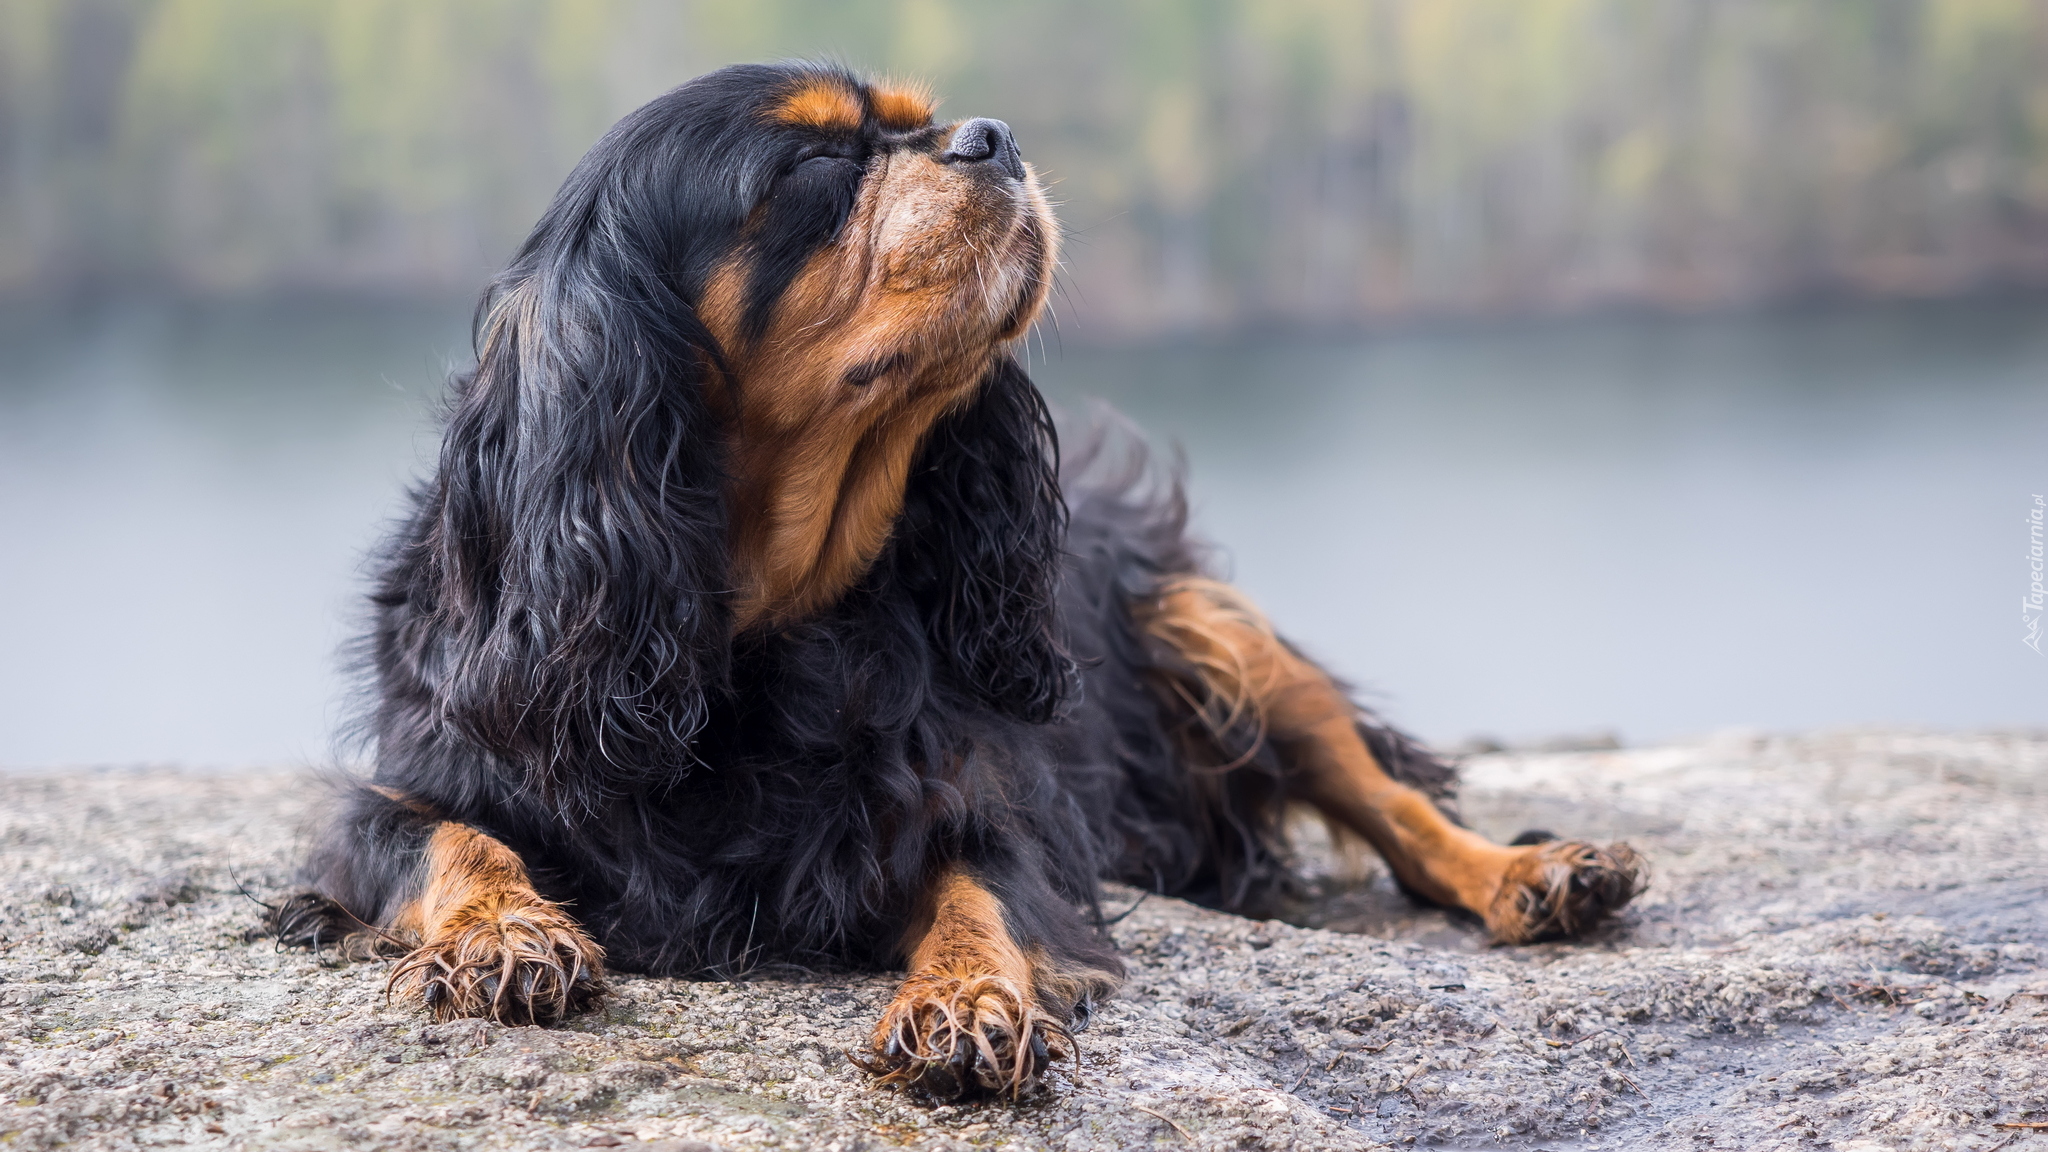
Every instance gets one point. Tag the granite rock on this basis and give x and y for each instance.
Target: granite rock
(1842, 947)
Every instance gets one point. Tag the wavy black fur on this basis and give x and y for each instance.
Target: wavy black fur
(552, 659)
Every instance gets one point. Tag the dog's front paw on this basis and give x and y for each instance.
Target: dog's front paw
(524, 963)
(962, 1036)
(1563, 888)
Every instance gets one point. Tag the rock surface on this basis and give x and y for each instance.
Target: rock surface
(1842, 947)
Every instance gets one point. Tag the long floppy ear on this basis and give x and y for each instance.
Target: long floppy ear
(980, 545)
(575, 568)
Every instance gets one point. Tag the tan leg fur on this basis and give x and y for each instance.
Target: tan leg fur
(491, 946)
(1243, 671)
(968, 1018)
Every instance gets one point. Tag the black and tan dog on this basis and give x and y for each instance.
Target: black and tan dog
(745, 618)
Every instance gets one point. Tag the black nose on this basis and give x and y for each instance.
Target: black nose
(982, 139)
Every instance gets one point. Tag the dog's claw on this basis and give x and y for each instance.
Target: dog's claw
(535, 967)
(310, 920)
(1559, 888)
(947, 1038)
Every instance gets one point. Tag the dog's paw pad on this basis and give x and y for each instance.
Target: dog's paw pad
(1561, 888)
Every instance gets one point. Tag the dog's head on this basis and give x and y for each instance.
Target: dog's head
(755, 354)
(876, 264)
(866, 240)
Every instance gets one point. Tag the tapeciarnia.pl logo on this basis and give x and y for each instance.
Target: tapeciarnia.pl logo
(2031, 604)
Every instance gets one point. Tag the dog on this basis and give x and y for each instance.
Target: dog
(748, 617)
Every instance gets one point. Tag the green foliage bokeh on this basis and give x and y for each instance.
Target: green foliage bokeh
(1219, 162)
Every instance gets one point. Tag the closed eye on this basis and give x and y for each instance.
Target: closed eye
(804, 212)
(825, 169)
(814, 197)
(874, 370)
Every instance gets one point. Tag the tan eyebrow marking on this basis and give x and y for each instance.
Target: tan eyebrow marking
(902, 106)
(820, 103)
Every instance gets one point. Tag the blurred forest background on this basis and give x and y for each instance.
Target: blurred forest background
(1224, 164)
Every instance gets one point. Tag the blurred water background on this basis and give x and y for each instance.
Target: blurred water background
(1547, 367)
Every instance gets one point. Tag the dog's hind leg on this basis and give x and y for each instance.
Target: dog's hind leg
(364, 867)
(1232, 673)
(980, 1013)
(477, 939)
